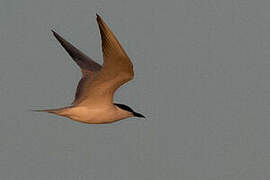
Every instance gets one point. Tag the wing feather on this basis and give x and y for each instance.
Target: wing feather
(117, 69)
(88, 67)
(83, 61)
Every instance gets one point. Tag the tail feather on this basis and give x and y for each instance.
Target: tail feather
(58, 111)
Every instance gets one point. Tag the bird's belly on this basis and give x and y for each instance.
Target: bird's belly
(93, 116)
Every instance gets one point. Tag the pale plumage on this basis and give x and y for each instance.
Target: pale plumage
(93, 101)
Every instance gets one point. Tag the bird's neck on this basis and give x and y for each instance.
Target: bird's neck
(123, 113)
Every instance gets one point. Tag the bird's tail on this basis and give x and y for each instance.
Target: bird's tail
(58, 111)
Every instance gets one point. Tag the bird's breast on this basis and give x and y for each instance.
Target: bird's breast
(94, 115)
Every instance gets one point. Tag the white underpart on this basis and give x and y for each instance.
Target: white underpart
(106, 114)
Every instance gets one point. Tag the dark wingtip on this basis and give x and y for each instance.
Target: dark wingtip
(100, 21)
(55, 34)
(98, 17)
(53, 31)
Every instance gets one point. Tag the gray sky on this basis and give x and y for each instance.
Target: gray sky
(202, 71)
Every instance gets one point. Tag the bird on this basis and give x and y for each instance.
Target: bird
(94, 97)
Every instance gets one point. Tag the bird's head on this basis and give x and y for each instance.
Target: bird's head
(127, 108)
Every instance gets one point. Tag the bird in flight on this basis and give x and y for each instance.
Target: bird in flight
(93, 102)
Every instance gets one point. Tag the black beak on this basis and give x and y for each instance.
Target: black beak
(138, 115)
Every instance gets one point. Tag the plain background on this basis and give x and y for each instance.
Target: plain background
(202, 79)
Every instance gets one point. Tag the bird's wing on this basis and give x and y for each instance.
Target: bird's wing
(88, 67)
(117, 69)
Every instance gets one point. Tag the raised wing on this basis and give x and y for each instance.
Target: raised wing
(117, 69)
(88, 67)
(83, 61)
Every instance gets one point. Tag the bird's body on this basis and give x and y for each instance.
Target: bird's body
(92, 114)
(93, 101)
